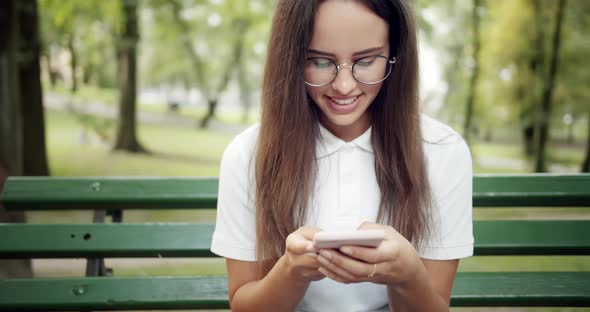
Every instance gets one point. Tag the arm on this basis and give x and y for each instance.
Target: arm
(283, 286)
(429, 291)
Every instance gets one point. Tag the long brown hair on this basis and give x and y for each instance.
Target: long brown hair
(285, 156)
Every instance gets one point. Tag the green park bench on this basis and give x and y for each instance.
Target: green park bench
(98, 240)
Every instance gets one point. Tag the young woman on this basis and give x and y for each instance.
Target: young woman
(342, 146)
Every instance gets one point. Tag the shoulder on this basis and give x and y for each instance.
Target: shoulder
(244, 142)
(242, 148)
(443, 146)
(436, 132)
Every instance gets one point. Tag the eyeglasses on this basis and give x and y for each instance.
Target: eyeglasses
(370, 70)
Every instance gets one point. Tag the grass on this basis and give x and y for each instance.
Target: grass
(173, 152)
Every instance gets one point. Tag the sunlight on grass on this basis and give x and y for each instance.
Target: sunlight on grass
(173, 152)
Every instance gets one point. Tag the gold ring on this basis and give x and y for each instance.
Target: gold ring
(374, 271)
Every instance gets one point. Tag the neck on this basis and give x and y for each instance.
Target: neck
(347, 133)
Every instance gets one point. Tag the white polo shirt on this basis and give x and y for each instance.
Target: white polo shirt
(345, 195)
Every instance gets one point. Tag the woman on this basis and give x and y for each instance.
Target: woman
(342, 146)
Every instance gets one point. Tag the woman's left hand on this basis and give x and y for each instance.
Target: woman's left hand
(394, 261)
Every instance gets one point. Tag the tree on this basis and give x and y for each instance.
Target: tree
(20, 107)
(472, 88)
(586, 163)
(542, 128)
(11, 143)
(31, 93)
(127, 62)
(208, 44)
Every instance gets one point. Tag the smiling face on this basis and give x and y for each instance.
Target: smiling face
(345, 31)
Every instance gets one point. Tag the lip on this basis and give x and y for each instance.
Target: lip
(340, 108)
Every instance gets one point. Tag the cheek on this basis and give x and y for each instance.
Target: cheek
(372, 91)
(314, 93)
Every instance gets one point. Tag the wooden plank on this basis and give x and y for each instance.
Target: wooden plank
(539, 190)
(194, 240)
(67, 193)
(114, 293)
(105, 240)
(522, 289)
(571, 289)
(42, 193)
(556, 237)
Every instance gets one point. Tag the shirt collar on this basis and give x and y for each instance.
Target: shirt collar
(327, 143)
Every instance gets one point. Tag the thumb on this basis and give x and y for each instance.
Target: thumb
(298, 244)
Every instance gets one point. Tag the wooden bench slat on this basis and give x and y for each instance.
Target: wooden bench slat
(114, 293)
(522, 289)
(531, 289)
(74, 193)
(558, 237)
(105, 240)
(544, 190)
(44, 193)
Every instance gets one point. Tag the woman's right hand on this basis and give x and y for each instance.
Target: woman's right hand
(301, 256)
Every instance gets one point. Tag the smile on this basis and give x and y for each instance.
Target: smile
(344, 101)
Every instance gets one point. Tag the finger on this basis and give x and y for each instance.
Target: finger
(365, 254)
(389, 231)
(335, 269)
(329, 273)
(308, 232)
(344, 266)
(298, 244)
(369, 226)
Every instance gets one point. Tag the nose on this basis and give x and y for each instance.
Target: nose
(344, 82)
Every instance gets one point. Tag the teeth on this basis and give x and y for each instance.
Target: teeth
(345, 101)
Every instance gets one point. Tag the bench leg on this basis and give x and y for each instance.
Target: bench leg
(96, 266)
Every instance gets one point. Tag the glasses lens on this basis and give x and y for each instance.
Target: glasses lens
(319, 71)
(371, 69)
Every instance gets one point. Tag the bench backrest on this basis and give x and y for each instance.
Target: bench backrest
(42, 193)
(101, 240)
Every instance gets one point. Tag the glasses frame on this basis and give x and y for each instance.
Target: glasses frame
(390, 62)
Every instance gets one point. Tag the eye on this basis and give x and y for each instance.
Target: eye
(366, 61)
(321, 63)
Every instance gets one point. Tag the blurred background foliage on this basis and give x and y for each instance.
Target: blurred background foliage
(160, 87)
(487, 73)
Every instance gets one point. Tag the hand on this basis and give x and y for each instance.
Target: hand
(300, 255)
(394, 261)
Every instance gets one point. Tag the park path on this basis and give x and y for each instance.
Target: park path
(60, 102)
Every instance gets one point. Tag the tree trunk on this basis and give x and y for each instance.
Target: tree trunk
(11, 149)
(10, 121)
(73, 62)
(475, 72)
(586, 163)
(211, 108)
(245, 96)
(127, 61)
(31, 93)
(543, 124)
(530, 114)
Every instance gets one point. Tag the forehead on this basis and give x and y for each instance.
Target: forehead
(344, 27)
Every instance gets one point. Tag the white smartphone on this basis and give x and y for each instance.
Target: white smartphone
(327, 239)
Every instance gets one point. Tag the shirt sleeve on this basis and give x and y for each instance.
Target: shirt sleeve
(235, 232)
(451, 179)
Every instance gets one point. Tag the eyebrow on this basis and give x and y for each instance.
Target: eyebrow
(354, 54)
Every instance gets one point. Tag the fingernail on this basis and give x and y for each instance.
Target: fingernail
(346, 250)
(310, 247)
(323, 271)
(326, 254)
(323, 260)
(311, 254)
